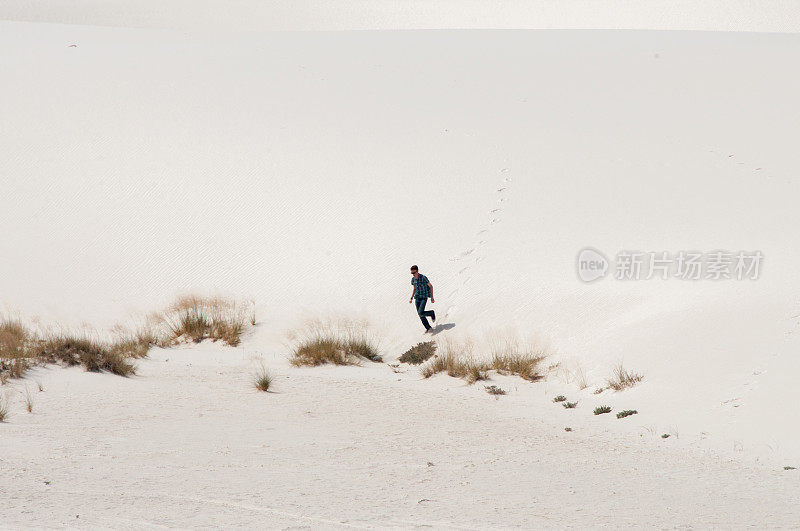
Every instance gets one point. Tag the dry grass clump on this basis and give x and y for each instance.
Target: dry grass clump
(14, 341)
(262, 379)
(94, 355)
(192, 318)
(4, 411)
(623, 379)
(419, 353)
(340, 342)
(457, 366)
(508, 358)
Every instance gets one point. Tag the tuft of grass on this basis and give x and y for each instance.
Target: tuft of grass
(570, 405)
(28, 399)
(602, 409)
(523, 364)
(559, 398)
(599, 390)
(466, 368)
(95, 356)
(263, 379)
(419, 353)
(341, 342)
(567, 429)
(494, 390)
(665, 435)
(192, 318)
(626, 413)
(790, 468)
(4, 411)
(14, 356)
(623, 379)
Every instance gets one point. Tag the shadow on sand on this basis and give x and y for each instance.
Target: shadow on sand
(439, 328)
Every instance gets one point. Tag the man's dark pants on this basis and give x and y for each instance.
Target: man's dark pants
(423, 315)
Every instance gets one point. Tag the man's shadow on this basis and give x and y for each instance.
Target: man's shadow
(441, 327)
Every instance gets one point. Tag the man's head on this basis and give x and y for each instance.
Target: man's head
(415, 271)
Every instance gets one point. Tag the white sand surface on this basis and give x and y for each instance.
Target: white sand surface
(307, 171)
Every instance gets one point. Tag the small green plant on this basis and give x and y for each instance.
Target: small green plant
(626, 413)
(263, 379)
(494, 390)
(419, 353)
(789, 468)
(602, 409)
(665, 435)
(559, 398)
(567, 429)
(570, 405)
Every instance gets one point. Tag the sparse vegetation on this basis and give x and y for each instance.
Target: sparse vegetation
(456, 359)
(626, 413)
(94, 355)
(494, 390)
(262, 379)
(570, 405)
(623, 379)
(602, 409)
(789, 468)
(3, 409)
(599, 390)
(14, 342)
(28, 399)
(419, 353)
(509, 357)
(342, 342)
(192, 318)
(665, 435)
(568, 429)
(559, 398)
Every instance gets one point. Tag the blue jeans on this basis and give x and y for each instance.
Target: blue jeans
(423, 315)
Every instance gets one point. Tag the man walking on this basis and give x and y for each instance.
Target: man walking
(422, 290)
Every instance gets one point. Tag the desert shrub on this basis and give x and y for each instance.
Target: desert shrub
(559, 398)
(623, 379)
(419, 353)
(494, 390)
(192, 318)
(570, 405)
(94, 355)
(262, 379)
(14, 356)
(340, 342)
(790, 468)
(599, 390)
(4, 409)
(665, 435)
(360, 347)
(626, 413)
(602, 409)
(457, 367)
(511, 357)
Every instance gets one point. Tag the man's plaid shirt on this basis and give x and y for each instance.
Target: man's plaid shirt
(421, 289)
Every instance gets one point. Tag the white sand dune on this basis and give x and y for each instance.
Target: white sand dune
(308, 170)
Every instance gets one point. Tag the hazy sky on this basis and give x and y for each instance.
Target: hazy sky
(724, 15)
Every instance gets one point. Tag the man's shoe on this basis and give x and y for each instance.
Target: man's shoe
(433, 317)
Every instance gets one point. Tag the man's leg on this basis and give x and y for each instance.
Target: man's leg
(422, 313)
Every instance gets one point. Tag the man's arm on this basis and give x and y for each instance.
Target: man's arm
(413, 291)
(431, 288)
